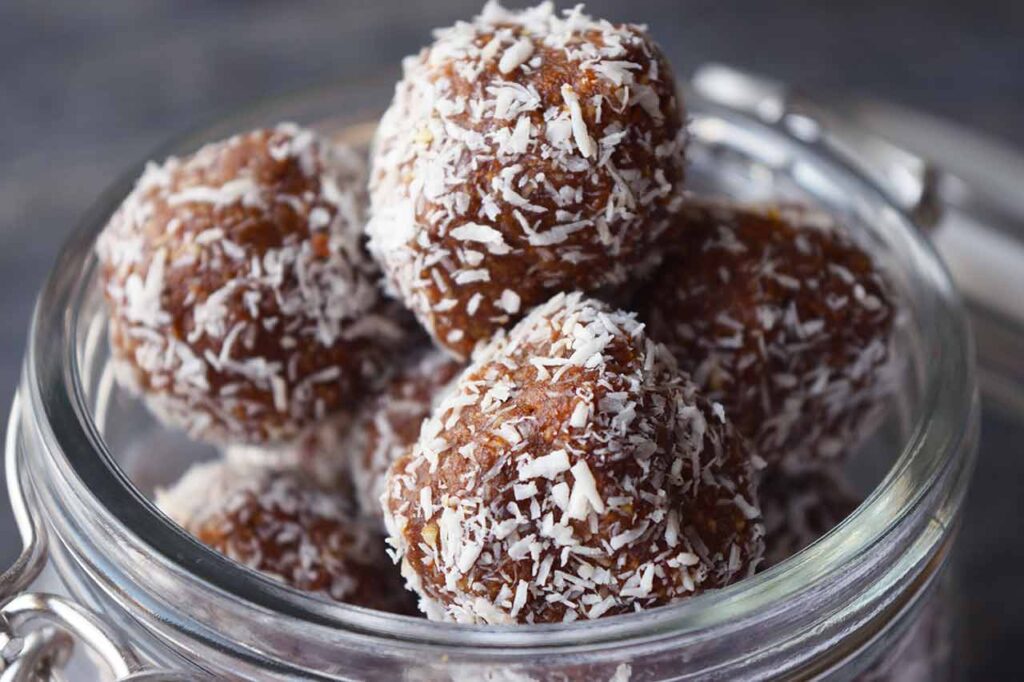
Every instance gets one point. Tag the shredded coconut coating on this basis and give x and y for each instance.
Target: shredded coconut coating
(800, 508)
(571, 472)
(778, 315)
(285, 526)
(524, 153)
(243, 307)
(389, 426)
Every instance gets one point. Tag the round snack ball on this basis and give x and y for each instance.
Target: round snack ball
(524, 154)
(800, 508)
(389, 427)
(779, 316)
(571, 472)
(282, 524)
(243, 307)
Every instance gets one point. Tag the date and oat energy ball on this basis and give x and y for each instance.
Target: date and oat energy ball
(284, 525)
(784, 320)
(389, 426)
(243, 307)
(525, 153)
(572, 472)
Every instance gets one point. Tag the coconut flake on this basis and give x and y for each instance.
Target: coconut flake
(548, 466)
(515, 55)
(579, 127)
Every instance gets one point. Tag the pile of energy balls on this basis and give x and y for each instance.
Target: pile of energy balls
(507, 370)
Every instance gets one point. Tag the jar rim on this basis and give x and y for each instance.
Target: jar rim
(933, 448)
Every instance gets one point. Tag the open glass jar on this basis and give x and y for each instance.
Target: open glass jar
(86, 458)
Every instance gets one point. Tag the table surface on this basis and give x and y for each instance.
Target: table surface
(87, 89)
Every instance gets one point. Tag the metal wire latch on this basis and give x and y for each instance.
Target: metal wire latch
(38, 632)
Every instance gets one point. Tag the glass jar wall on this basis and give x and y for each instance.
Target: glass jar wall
(854, 604)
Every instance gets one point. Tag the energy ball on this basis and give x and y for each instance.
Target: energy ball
(243, 307)
(284, 525)
(784, 320)
(800, 508)
(571, 472)
(524, 154)
(388, 428)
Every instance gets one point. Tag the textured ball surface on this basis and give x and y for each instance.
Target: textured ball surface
(242, 305)
(571, 472)
(282, 524)
(389, 426)
(783, 319)
(524, 153)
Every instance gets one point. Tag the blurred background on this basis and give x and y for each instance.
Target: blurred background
(87, 89)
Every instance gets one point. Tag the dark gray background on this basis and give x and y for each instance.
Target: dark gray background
(88, 88)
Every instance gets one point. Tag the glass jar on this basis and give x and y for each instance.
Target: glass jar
(83, 458)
